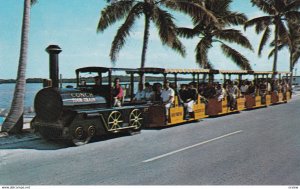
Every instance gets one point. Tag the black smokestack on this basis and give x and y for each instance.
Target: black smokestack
(53, 51)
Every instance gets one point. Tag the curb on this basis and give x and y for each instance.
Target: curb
(6, 139)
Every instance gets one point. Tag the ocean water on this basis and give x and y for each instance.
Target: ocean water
(7, 92)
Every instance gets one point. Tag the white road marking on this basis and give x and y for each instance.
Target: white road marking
(189, 147)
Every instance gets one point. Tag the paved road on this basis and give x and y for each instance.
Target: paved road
(259, 147)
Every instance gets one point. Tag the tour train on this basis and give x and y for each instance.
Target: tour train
(81, 113)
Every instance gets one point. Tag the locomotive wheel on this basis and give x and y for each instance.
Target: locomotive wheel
(114, 121)
(91, 131)
(81, 137)
(136, 119)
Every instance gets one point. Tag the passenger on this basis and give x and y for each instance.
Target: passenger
(156, 94)
(117, 93)
(97, 81)
(96, 87)
(275, 87)
(284, 89)
(244, 87)
(140, 94)
(192, 96)
(183, 93)
(263, 91)
(210, 91)
(167, 96)
(148, 91)
(83, 83)
(220, 92)
(233, 92)
(269, 87)
(201, 89)
(251, 89)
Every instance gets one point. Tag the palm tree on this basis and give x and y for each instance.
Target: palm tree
(277, 12)
(152, 10)
(14, 121)
(210, 32)
(292, 43)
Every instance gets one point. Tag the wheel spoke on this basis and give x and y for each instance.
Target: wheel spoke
(118, 117)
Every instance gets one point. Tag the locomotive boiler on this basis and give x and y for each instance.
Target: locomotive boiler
(78, 114)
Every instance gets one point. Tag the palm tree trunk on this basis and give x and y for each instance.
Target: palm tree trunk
(276, 50)
(145, 45)
(291, 69)
(14, 121)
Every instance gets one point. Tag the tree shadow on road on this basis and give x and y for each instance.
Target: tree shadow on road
(30, 141)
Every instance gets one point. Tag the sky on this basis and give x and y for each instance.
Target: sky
(72, 25)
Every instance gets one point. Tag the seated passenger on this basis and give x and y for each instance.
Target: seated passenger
(140, 94)
(192, 96)
(209, 91)
(148, 91)
(96, 87)
(220, 92)
(97, 81)
(117, 93)
(263, 91)
(167, 96)
(262, 88)
(284, 89)
(275, 87)
(156, 93)
(183, 92)
(201, 89)
(83, 83)
(233, 93)
(244, 87)
(251, 89)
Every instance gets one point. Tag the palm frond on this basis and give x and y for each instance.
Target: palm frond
(261, 21)
(187, 32)
(232, 35)
(124, 31)
(219, 8)
(293, 16)
(293, 5)
(296, 57)
(201, 51)
(280, 47)
(236, 57)
(113, 12)
(264, 5)
(193, 8)
(264, 40)
(283, 33)
(167, 30)
(294, 33)
(235, 18)
(279, 5)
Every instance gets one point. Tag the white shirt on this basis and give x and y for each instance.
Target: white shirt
(244, 88)
(166, 93)
(139, 95)
(148, 94)
(233, 91)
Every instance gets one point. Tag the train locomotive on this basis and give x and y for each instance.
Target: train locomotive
(78, 114)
